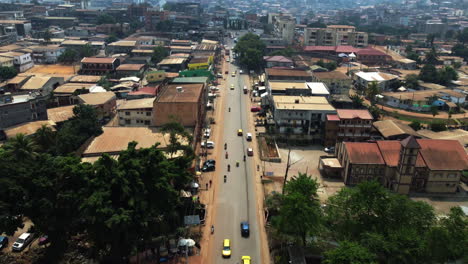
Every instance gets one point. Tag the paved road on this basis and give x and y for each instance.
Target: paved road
(236, 201)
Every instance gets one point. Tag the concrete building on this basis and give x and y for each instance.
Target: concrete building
(17, 109)
(384, 80)
(181, 102)
(278, 61)
(6, 62)
(336, 81)
(273, 74)
(348, 125)
(125, 70)
(423, 100)
(104, 103)
(283, 25)
(47, 54)
(410, 165)
(99, 66)
(22, 61)
(138, 112)
(43, 85)
(301, 114)
(335, 35)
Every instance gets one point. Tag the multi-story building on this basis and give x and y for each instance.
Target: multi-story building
(383, 80)
(336, 81)
(301, 114)
(410, 165)
(47, 54)
(122, 46)
(22, 61)
(335, 35)
(284, 25)
(99, 66)
(104, 103)
(138, 112)
(17, 109)
(348, 125)
(153, 16)
(273, 74)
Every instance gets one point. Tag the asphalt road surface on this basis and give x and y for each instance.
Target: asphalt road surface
(236, 199)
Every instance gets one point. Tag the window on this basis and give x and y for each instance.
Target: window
(127, 113)
(148, 113)
(127, 121)
(147, 122)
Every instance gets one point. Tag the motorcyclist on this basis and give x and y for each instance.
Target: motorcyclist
(225, 178)
(225, 145)
(212, 229)
(244, 157)
(228, 168)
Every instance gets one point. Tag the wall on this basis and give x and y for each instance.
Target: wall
(186, 113)
(134, 118)
(14, 114)
(443, 181)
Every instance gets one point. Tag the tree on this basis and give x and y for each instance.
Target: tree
(165, 26)
(438, 125)
(460, 50)
(349, 253)
(299, 213)
(434, 110)
(430, 40)
(111, 38)
(431, 57)
(179, 139)
(106, 19)
(86, 51)
(21, 147)
(287, 52)
(413, 56)
(7, 72)
(375, 111)
(463, 36)
(372, 91)
(159, 53)
(105, 83)
(68, 56)
(446, 75)
(357, 101)
(250, 50)
(44, 138)
(411, 81)
(47, 36)
(429, 74)
(415, 125)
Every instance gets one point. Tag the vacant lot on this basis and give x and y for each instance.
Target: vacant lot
(55, 69)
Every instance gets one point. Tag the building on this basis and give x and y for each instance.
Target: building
(336, 81)
(393, 130)
(301, 114)
(104, 103)
(288, 88)
(6, 62)
(410, 165)
(383, 80)
(58, 115)
(173, 64)
(155, 76)
(44, 85)
(114, 140)
(28, 129)
(99, 66)
(278, 61)
(46, 54)
(145, 92)
(456, 134)
(348, 125)
(67, 94)
(335, 35)
(283, 26)
(273, 74)
(22, 61)
(130, 70)
(184, 103)
(138, 112)
(373, 57)
(405, 64)
(18, 27)
(318, 89)
(423, 100)
(17, 109)
(201, 63)
(121, 46)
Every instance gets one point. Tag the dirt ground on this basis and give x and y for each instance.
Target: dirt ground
(54, 69)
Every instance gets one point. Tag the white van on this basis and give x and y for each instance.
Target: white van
(249, 136)
(22, 241)
(209, 144)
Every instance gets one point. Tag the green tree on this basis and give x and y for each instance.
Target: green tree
(463, 36)
(21, 147)
(349, 253)
(47, 36)
(7, 72)
(429, 74)
(357, 101)
(446, 75)
(179, 139)
(413, 56)
(111, 38)
(44, 138)
(68, 56)
(375, 111)
(106, 19)
(86, 51)
(411, 81)
(299, 214)
(415, 125)
(105, 83)
(165, 26)
(431, 57)
(372, 91)
(250, 50)
(460, 50)
(434, 110)
(438, 125)
(287, 52)
(159, 53)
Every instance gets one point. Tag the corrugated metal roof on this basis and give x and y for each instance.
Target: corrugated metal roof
(354, 113)
(364, 153)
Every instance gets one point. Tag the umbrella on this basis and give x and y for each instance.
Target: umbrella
(194, 185)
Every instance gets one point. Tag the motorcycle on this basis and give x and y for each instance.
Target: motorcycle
(225, 179)
(244, 157)
(225, 146)
(237, 164)
(227, 155)
(228, 168)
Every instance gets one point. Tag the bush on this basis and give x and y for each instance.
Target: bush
(438, 126)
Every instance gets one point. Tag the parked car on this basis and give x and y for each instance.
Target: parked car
(207, 133)
(233, 74)
(245, 229)
(241, 71)
(208, 167)
(219, 75)
(329, 150)
(255, 109)
(226, 72)
(249, 152)
(210, 161)
(22, 241)
(3, 242)
(209, 144)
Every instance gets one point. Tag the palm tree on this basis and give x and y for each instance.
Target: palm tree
(372, 90)
(357, 101)
(44, 138)
(21, 147)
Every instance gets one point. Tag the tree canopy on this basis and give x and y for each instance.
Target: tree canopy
(7, 72)
(250, 50)
(159, 53)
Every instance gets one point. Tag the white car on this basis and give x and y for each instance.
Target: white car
(249, 136)
(207, 133)
(241, 71)
(209, 144)
(22, 241)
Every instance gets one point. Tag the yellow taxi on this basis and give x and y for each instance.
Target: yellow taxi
(232, 86)
(226, 248)
(240, 132)
(233, 74)
(245, 260)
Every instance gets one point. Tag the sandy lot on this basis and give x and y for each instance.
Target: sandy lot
(54, 69)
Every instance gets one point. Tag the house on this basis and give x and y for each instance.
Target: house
(318, 89)
(130, 70)
(405, 64)
(188, 80)
(394, 130)
(104, 103)
(287, 75)
(173, 64)
(138, 112)
(456, 134)
(17, 109)
(99, 66)
(121, 46)
(28, 128)
(335, 35)
(182, 102)
(371, 56)
(288, 88)
(278, 61)
(22, 61)
(155, 76)
(58, 115)
(348, 125)
(410, 165)
(301, 114)
(15, 83)
(114, 140)
(44, 85)
(201, 63)
(336, 81)
(384, 80)
(67, 94)
(423, 100)
(6, 62)
(142, 52)
(145, 92)
(47, 54)
(85, 79)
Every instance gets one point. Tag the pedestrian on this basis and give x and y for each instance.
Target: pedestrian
(207, 186)
(210, 183)
(258, 167)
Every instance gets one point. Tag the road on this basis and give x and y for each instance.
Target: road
(235, 200)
